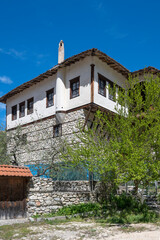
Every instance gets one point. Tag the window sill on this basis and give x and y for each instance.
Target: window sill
(49, 106)
(74, 96)
(102, 94)
(29, 113)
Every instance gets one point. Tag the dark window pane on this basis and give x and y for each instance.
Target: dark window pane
(74, 87)
(22, 109)
(102, 87)
(50, 95)
(30, 106)
(111, 91)
(14, 112)
(57, 130)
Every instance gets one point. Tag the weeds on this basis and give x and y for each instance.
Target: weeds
(120, 209)
(16, 231)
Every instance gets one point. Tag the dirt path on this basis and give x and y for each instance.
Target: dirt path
(80, 231)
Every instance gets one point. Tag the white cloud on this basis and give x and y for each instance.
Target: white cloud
(14, 53)
(2, 106)
(36, 58)
(41, 58)
(5, 79)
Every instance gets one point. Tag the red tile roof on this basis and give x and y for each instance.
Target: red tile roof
(14, 171)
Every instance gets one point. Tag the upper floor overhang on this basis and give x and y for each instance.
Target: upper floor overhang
(71, 60)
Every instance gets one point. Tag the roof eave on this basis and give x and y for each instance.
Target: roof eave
(91, 52)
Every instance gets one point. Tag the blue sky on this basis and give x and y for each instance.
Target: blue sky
(126, 30)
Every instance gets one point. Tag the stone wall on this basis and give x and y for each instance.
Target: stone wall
(40, 143)
(45, 195)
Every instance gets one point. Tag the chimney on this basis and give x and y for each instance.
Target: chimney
(61, 52)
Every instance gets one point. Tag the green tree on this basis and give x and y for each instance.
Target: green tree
(3, 146)
(123, 146)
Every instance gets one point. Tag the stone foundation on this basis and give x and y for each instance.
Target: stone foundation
(35, 144)
(39, 143)
(45, 195)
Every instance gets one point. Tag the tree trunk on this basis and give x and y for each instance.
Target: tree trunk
(136, 185)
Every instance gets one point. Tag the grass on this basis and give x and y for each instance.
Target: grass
(103, 213)
(19, 231)
(63, 221)
(128, 229)
(16, 231)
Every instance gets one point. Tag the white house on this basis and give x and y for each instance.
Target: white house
(73, 83)
(60, 95)
(49, 107)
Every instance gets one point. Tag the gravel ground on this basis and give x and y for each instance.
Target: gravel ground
(13, 221)
(80, 231)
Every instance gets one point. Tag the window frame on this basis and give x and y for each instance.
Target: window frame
(108, 84)
(14, 117)
(111, 85)
(24, 139)
(20, 105)
(72, 81)
(47, 93)
(30, 111)
(59, 131)
(101, 78)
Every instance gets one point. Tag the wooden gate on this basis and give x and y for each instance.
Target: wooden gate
(13, 193)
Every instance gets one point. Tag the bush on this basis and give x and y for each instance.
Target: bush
(79, 208)
(128, 203)
(119, 209)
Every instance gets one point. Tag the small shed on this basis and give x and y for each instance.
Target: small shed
(13, 191)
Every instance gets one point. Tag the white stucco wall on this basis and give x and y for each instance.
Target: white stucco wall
(83, 70)
(38, 91)
(112, 75)
(61, 84)
(62, 99)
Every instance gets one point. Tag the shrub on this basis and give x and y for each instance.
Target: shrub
(79, 208)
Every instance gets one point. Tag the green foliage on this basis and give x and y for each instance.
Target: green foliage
(4, 159)
(158, 197)
(122, 209)
(125, 146)
(124, 217)
(128, 203)
(79, 208)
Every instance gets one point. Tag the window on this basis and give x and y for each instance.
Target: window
(101, 85)
(22, 109)
(30, 106)
(111, 91)
(50, 98)
(14, 112)
(57, 130)
(24, 139)
(74, 87)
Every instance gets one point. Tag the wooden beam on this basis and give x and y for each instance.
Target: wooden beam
(92, 83)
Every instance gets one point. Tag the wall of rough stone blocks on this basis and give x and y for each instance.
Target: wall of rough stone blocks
(45, 195)
(40, 141)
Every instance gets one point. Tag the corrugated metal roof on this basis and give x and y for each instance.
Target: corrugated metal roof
(14, 171)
